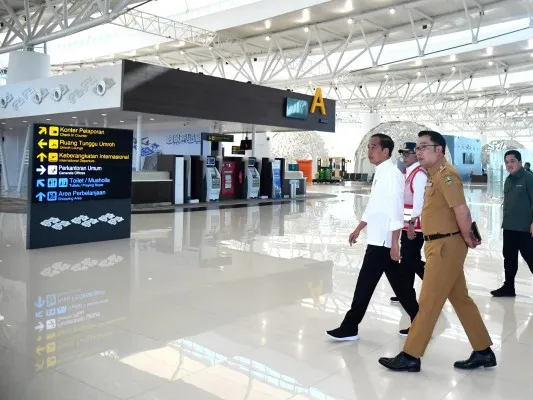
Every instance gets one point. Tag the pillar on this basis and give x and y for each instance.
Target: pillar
(369, 121)
(23, 160)
(139, 142)
(26, 66)
(254, 131)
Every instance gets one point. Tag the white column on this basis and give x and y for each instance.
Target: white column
(254, 131)
(25, 66)
(220, 145)
(23, 161)
(369, 121)
(4, 166)
(105, 122)
(139, 142)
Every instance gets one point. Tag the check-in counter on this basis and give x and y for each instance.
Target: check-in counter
(297, 178)
(151, 187)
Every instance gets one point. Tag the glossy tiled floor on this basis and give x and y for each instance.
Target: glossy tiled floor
(232, 304)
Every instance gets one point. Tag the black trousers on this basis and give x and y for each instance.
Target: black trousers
(514, 242)
(376, 262)
(411, 253)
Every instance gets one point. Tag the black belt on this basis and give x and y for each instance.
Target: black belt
(429, 238)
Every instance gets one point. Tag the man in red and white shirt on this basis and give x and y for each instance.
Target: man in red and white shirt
(412, 239)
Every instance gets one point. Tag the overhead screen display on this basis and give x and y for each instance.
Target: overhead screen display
(297, 109)
(80, 185)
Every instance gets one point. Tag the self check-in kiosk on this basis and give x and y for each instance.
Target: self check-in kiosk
(212, 180)
(253, 181)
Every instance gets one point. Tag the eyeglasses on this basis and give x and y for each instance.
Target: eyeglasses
(423, 147)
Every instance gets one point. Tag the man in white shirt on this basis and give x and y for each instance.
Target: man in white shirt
(412, 239)
(384, 220)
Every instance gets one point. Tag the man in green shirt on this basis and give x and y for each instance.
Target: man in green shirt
(517, 221)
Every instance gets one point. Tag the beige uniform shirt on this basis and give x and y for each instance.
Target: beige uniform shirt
(444, 192)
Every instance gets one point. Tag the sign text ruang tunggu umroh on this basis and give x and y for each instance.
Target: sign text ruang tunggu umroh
(80, 185)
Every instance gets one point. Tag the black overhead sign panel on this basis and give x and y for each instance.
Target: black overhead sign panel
(80, 185)
(216, 137)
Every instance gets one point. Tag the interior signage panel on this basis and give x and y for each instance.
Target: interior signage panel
(80, 185)
(237, 150)
(215, 137)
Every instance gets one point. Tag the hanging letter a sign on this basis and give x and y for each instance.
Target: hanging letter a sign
(318, 101)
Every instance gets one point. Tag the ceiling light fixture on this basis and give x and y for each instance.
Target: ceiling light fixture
(419, 73)
(306, 29)
(386, 76)
(350, 21)
(48, 119)
(74, 117)
(24, 122)
(267, 38)
(490, 50)
(152, 119)
(104, 115)
(454, 69)
(121, 122)
(392, 11)
(453, 57)
(182, 52)
(490, 63)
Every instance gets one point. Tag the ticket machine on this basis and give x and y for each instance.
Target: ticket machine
(212, 180)
(253, 180)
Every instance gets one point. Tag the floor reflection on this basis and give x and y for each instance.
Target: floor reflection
(232, 304)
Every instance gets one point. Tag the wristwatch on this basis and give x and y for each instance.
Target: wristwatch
(412, 221)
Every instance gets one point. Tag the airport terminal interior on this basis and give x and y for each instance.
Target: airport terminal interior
(179, 180)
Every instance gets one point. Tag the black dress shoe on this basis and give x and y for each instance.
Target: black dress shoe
(478, 359)
(402, 362)
(504, 291)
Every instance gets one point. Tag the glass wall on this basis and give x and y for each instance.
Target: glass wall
(497, 174)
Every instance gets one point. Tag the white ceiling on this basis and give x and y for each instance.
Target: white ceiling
(367, 57)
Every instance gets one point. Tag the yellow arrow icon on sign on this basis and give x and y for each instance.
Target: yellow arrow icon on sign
(42, 157)
(39, 350)
(39, 366)
(42, 143)
(42, 130)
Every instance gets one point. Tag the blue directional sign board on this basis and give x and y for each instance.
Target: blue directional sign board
(80, 185)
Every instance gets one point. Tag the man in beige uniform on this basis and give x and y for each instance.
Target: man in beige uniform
(446, 225)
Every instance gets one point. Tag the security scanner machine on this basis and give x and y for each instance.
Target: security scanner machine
(212, 180)
(253, 182)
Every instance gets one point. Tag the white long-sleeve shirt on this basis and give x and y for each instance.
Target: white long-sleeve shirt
(384, 211)
(419, 186)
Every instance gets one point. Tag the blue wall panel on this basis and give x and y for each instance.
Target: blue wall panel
(465, 154)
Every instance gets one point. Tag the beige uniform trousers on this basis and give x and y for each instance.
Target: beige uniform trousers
(444, 279)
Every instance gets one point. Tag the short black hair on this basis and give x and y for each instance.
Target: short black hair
(527, 164)
(515, 153)
(385, 141)
(436, 138)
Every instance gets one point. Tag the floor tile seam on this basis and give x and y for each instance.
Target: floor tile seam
(84, 383)
(504, 339)
(504, 379)
(469, 373)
